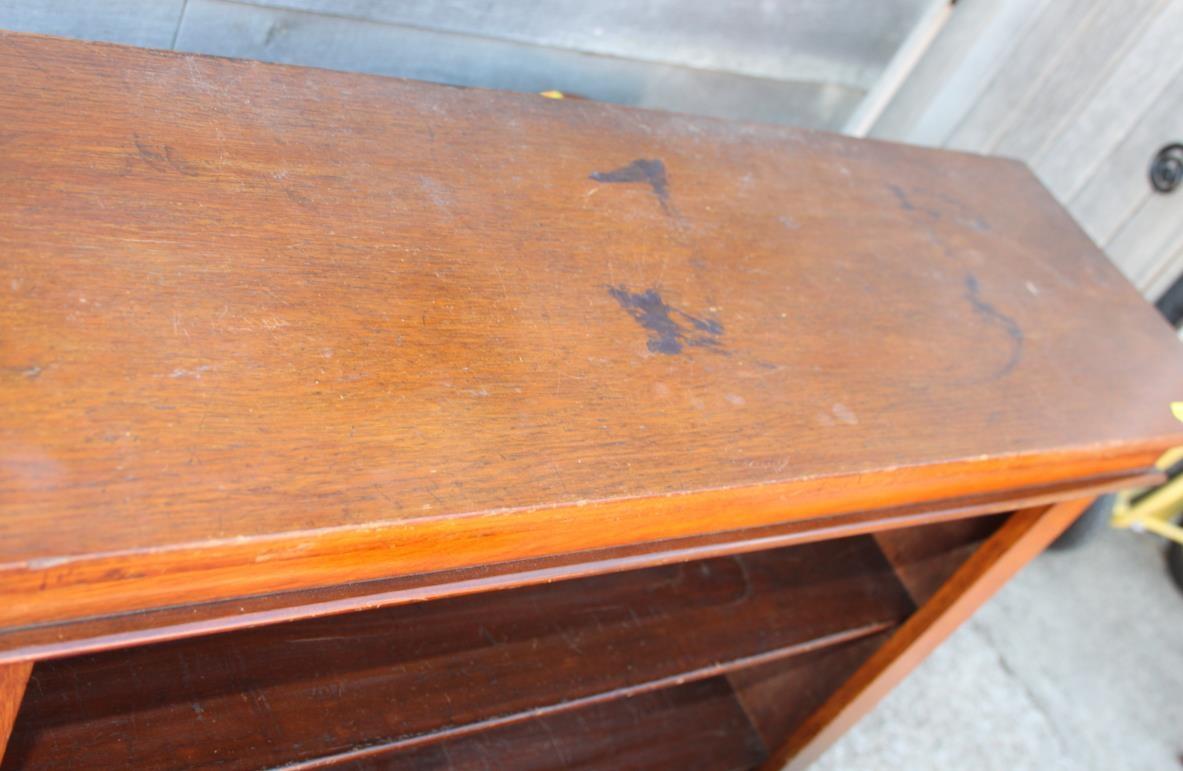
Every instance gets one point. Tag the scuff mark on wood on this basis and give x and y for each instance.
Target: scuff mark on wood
(166, 158)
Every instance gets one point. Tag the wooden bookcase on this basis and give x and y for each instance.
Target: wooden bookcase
(365, 423)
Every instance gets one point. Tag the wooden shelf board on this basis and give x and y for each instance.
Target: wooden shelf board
(405, 676)
(698, 725)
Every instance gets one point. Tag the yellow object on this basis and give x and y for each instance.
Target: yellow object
(1156, 510)
(1177, 410)
(559, 95)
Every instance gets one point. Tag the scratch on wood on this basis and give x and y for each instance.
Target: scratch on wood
(166, 158)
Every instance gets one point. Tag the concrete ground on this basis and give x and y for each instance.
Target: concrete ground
(1077, 664)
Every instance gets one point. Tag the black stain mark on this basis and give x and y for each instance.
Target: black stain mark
(902, 197)
(164, 159)
(666, 334)
(649, 171)
(973, 293)
(907, 204)
(961, 213)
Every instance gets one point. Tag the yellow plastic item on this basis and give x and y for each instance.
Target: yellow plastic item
(1157, 510)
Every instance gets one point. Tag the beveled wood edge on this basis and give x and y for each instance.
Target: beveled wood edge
(64, 588)
(14, 677)
(47, 641)
(1021, 538)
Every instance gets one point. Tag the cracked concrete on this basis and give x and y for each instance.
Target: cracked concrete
(1076, 664)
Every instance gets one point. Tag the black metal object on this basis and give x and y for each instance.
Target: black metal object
(1171, 303)
(1166, 170)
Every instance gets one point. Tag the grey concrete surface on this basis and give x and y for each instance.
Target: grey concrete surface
(1077, 664)
(799, 62)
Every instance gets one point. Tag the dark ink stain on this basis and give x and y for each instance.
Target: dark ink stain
(907, 204)
(902, 197)
(165, 159)
(649, 171)
(666, 334)
(973, 293)
(961, 213)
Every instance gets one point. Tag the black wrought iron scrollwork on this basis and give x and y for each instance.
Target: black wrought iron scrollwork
(1166, 170)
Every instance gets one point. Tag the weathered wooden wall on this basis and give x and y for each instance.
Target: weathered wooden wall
(1084, 91)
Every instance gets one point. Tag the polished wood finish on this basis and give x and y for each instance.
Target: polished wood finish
(401, 677)
(1024, 535)
(533, 419)
(13, 679)
(926, 557)
(270, 329)
(110, 632)
(698, 725)
(779, 695)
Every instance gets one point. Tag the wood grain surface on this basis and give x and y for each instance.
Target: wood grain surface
(13, 679)
(402, 677)
(779, 695)
(699, 725)
(1021, 538)
(925, 557)
(88, 635)
(268, 328)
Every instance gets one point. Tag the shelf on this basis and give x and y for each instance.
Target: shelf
(698, 725)
(405, 677)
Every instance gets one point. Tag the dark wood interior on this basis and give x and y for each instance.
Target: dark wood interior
(754, 640)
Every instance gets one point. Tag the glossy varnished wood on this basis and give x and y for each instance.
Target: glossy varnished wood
(1023, 536)
(13, 678)
(779, 695)
(698, 725)
(268, 329)
(925, 557)
(108, 632)
(401, 677)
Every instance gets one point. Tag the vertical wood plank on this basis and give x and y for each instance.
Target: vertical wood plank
(1119, 186)
(1024, 535)
(1082, 61)
(1132, 87)
(1147, 240)
(1018, 73)
(958, 67)
(1167, 268)
(13, 679)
